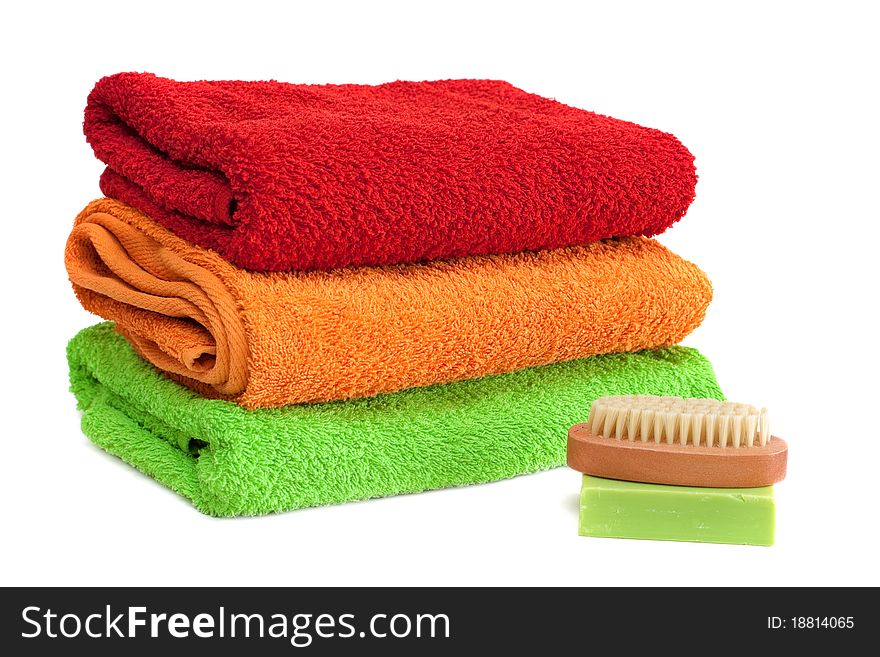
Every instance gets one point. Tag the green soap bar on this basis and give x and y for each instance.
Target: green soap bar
(624, 509)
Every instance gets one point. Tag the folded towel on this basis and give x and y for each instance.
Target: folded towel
(231, 461)
(269, 339)
(286, 177)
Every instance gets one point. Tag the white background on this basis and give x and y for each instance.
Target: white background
(776, 100)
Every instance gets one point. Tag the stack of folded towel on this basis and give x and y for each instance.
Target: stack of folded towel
(328, 293)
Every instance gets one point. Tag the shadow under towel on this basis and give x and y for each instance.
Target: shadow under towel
(230, 461)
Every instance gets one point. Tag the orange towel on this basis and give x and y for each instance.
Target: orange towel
(270, 339)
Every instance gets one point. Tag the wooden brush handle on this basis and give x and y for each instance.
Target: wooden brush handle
(676, 465)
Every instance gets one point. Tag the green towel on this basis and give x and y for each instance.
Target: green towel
(230, 461)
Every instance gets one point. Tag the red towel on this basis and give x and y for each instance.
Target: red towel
(279, 176)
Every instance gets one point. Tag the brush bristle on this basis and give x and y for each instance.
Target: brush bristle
(673, 420)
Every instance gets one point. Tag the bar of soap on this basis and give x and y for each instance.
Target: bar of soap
(625, 509)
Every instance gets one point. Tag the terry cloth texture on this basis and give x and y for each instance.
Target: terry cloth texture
(284, 177)
(231, 461)
(270, 339)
